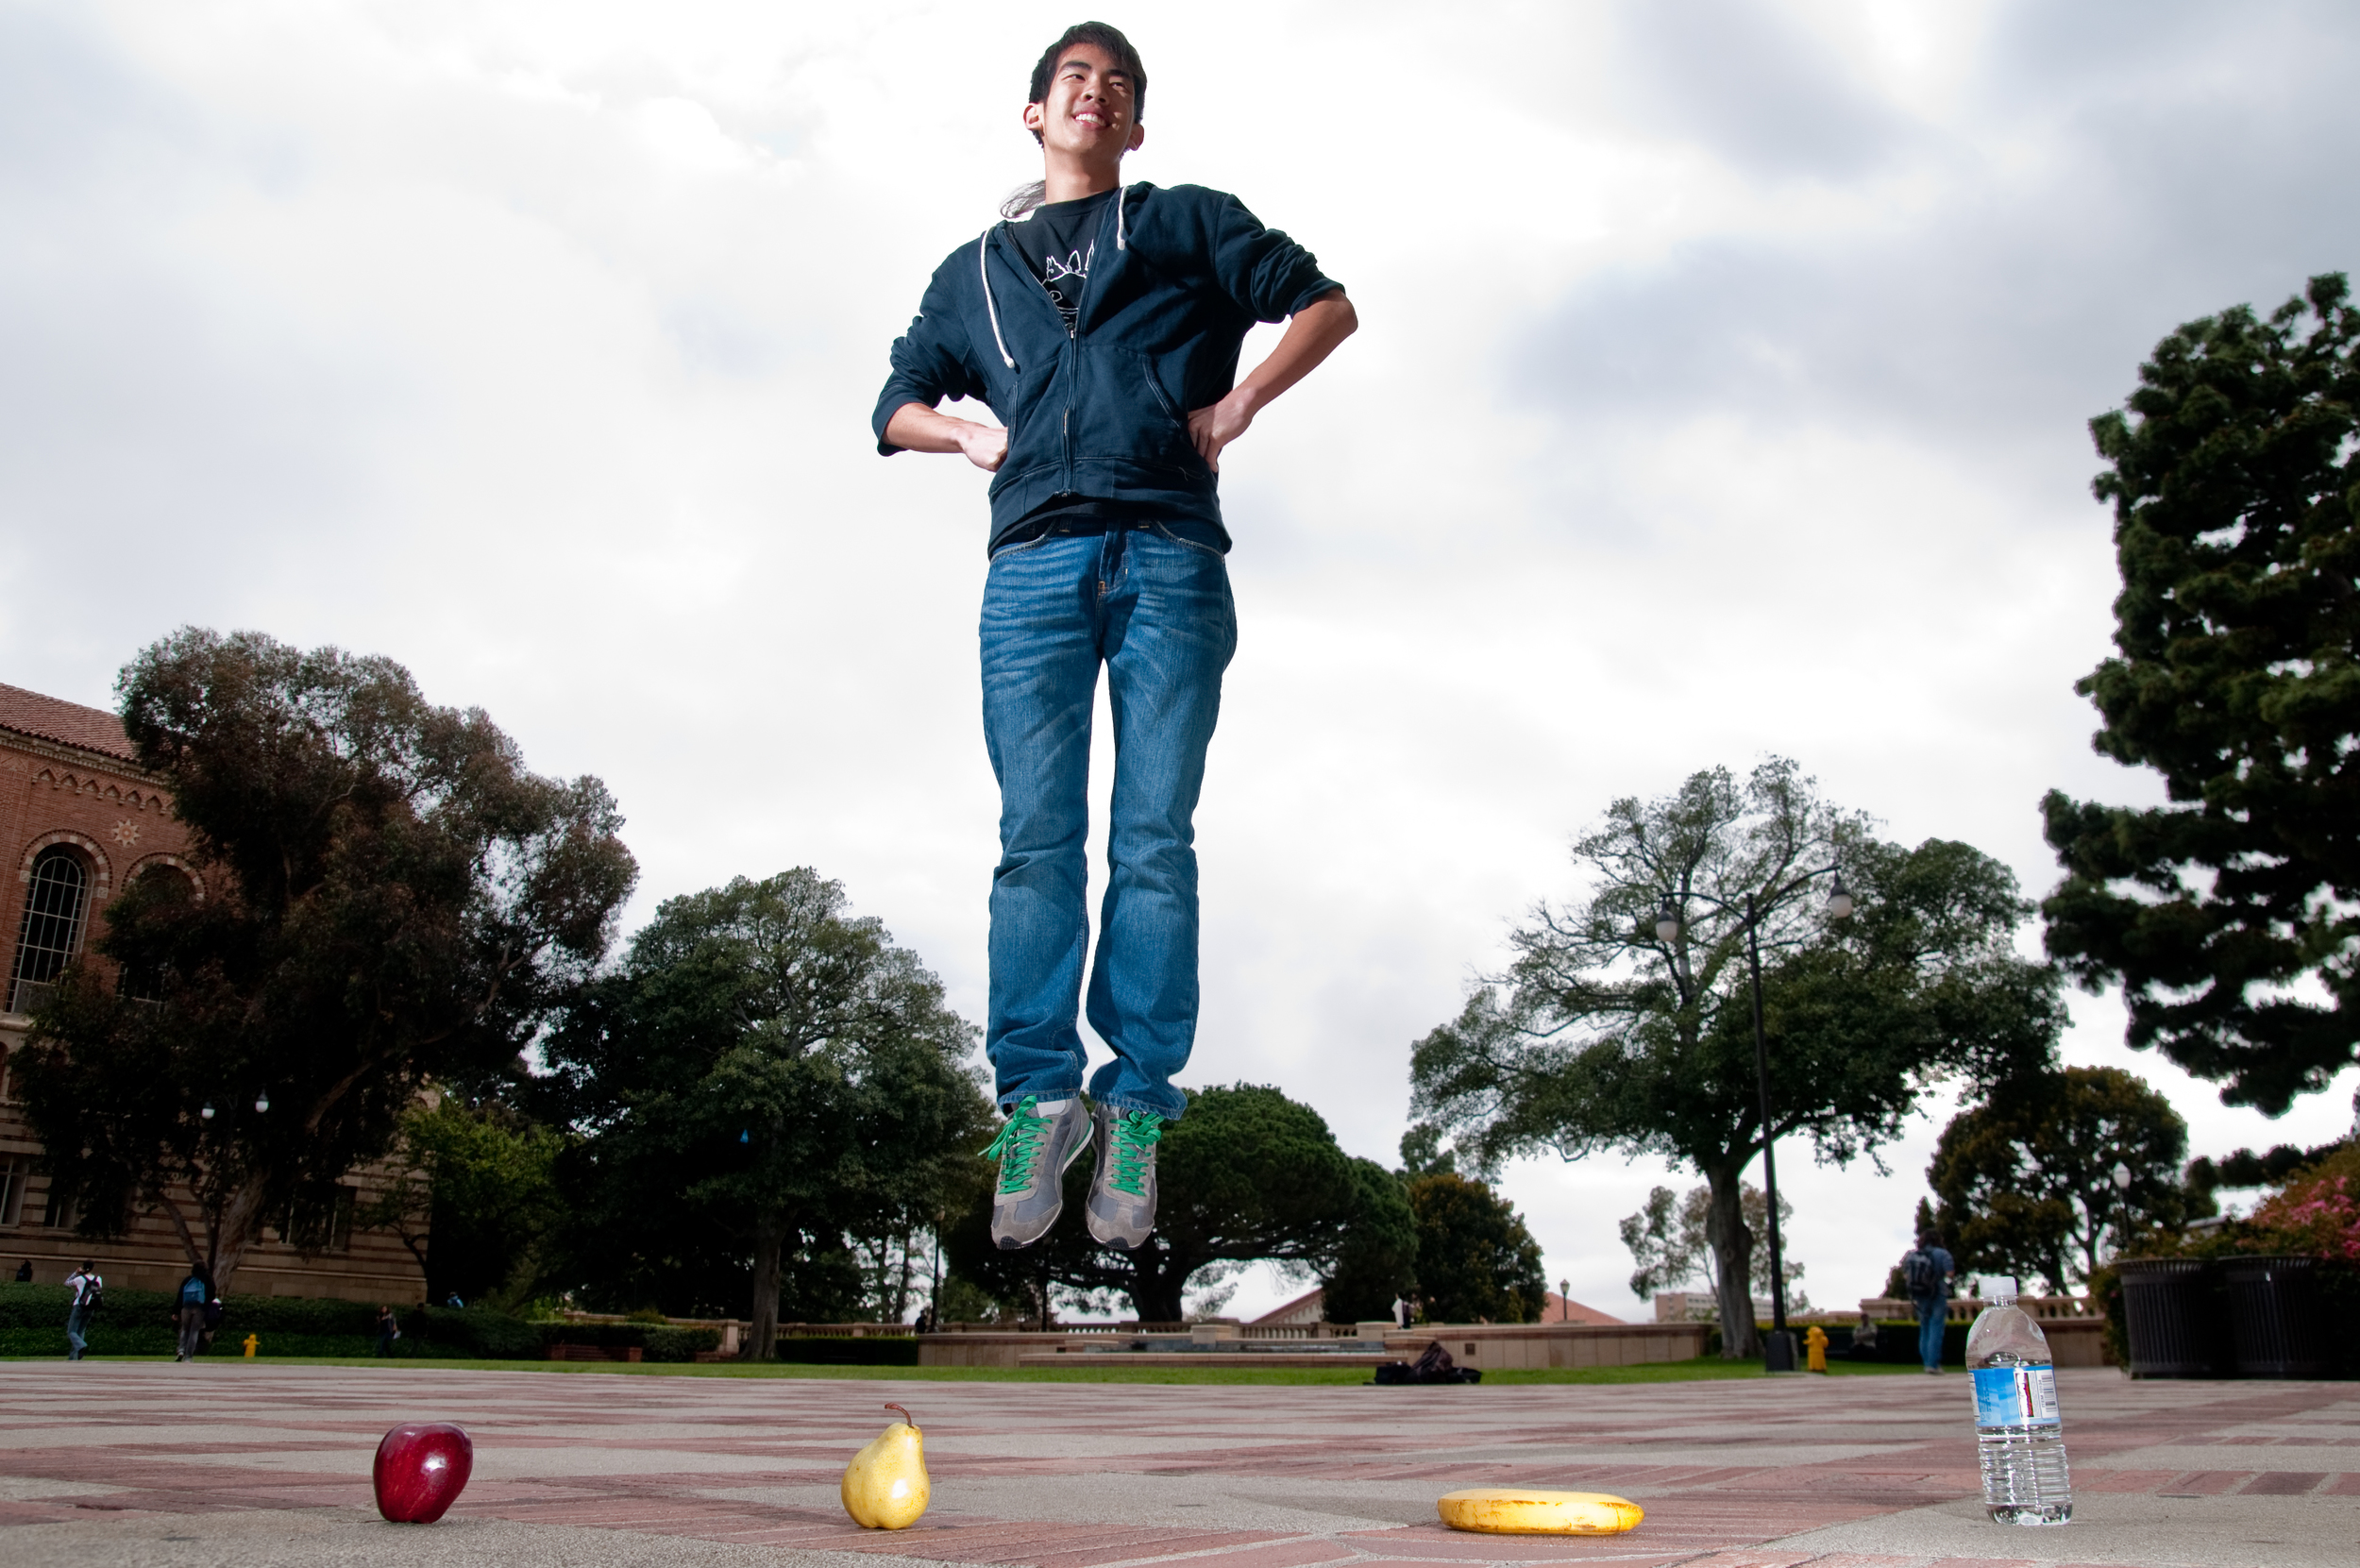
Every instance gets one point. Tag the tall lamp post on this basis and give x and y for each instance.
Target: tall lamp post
(2121, 1175)
(1779, 1353)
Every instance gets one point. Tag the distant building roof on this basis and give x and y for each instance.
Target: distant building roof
(1304, 1308)
(67, 723)
(1560, 1310)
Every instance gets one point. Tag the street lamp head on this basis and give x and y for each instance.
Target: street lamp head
(1668, 923)
(261, 1100)
(1840, 900)
(207, 1112)
(2122, 1177)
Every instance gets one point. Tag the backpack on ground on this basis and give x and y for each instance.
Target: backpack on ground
(1919, 1274)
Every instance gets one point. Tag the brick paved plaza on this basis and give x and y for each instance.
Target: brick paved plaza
(148, 1463)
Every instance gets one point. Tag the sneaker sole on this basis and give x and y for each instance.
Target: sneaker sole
(1117, 1242)
(1008, 1243)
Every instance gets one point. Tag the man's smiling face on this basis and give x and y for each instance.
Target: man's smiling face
(1091, 112)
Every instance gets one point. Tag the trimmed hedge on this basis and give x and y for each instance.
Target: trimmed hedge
(1896, 1343)
(846, 1351)
(609, 1336)
(144, 1323)
(679, 1345)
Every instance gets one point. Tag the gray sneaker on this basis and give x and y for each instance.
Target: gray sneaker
(1122, 1193)
(1034, 1150)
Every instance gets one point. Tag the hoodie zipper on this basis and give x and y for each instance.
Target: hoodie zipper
(1073, 340)
(1073, 331)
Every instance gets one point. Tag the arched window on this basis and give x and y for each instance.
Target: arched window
(158, 879)
(51, 930)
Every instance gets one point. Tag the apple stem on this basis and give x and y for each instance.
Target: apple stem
(905, 1415)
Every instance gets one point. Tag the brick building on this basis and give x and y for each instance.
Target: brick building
(79, 819)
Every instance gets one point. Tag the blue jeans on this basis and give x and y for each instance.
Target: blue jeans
(1156, 613)
(77, 1326)
(1933, 1313)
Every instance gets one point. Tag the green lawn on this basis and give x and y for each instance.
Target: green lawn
(1662, 1372)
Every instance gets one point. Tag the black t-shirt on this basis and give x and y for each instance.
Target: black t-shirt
(1057, 243)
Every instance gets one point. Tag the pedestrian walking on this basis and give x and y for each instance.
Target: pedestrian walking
(1101, 322)
(387, 1331)
(84, 1289)
(1926, 1270)
(195, 1291)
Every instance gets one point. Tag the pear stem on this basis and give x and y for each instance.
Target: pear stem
(905, 1417)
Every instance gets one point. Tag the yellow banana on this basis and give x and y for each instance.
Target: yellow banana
(1517, 1510)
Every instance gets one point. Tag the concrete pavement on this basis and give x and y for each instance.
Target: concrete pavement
(145, 1463)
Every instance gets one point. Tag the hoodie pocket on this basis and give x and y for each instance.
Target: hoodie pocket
(1122, 411)
(1022, 413)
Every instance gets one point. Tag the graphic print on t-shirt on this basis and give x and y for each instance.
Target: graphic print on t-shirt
(1058, 244)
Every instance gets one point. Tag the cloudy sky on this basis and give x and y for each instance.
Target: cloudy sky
(1721, 391)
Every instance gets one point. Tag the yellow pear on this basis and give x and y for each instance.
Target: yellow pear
(885, 1486)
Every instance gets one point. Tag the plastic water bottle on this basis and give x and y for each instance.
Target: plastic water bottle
(2018, 1431)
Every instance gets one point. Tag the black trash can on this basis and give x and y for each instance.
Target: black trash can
(2174, 1329)
(2278, 1317)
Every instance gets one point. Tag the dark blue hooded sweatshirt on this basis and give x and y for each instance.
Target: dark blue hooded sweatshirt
(1179, 275)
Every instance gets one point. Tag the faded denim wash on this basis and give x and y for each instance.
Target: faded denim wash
(1156, 613)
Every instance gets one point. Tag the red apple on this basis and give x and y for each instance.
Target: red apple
(421, 1468)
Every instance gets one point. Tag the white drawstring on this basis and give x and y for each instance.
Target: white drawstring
(982, 257)
(983, 270)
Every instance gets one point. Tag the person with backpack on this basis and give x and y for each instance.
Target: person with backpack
(1102, 322)
(1926, 1270)
(195, 1291)
(83, 1290)
(388, 1330)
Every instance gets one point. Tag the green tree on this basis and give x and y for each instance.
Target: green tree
(2245, 1169)
(1670, 1242)
(390, 902)
(1423, 1152)
(2025, 1180)
(1244, 1174)
(1376, 1260)
(1604, 1036)
(2236, 482)
(1477, 1262)
(764, 1078)
(479, 1200)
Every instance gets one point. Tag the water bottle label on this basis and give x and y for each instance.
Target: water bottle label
(2015, 1396)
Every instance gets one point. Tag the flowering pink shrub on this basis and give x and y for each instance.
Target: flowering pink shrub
(2316, 1213)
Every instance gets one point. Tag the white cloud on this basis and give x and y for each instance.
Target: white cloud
(1720, 391)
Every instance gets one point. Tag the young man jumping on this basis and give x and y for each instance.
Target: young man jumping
(1103, 331)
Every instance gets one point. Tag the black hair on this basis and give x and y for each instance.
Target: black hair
(1118, 48)
(1026, 197)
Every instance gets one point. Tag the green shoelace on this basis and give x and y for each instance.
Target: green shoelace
(1018, 1146)
(1131, 1149)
